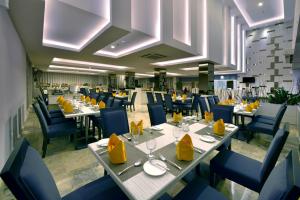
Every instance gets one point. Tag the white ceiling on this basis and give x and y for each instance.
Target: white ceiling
(74, 21)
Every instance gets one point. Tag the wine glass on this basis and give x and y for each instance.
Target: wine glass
(135, 136)
(151, 145)
(176, 133)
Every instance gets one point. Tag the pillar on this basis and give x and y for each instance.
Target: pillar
(206, 79)
(160, 79)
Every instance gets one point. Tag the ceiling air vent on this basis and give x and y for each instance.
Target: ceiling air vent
(153, 56)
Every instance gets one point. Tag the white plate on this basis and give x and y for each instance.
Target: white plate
(156, 128)
(207, 138)
(103, 142)
(229, 125)
(153, 170)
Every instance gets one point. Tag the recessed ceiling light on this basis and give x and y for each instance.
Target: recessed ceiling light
(140, 74)
(112, 46)
(190, 69)
(84, 63)
(260, 4)
(70, 72)
(76, 68)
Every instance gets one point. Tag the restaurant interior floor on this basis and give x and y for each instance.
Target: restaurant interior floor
(74, 168)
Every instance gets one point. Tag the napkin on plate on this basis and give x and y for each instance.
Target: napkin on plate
(87, 99)
(249, 108)
(102, 105)
(116, 150)
(135, 127)
(185, 149)
(68, 107)
(93, 101)
(177, 117)
(219, 127)
(208, 116)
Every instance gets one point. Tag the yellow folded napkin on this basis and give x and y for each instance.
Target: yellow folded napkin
(68, 107)
(101, 105)
(174, 96)
(114, 94)
(256, 104)
(219, 127)
(60, 100)
(124, 94)
(87, 99)
(136, 127)
(185, 149)
(177, 117)
(208, 116)
(183, 97)
(82, 98)
(93, 102)
(116, 150)
(244, 102)
(249, 108)
(97, 90)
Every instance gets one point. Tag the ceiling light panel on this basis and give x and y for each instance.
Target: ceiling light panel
(77, 68)
(256, 17)
(87, 64)
(70, 72)
(146, 26)
(72, 25)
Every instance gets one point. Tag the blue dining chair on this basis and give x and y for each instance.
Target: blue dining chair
(159, 99)
(150, 97)
(117, 103)
(109, 102)
(114, 120)
(269, 119)
(157, 114)
(225, 113)
(131, 103)
(216, 98)
(53, 120)
(193, 106)
(170, 107)
(54, 111)
(269, 129)
(283, 183)
(203, 106)
(246, 171)
(52, 131)
(28, 178)
(211, 102)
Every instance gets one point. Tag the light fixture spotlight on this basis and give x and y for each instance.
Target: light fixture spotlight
(112, 46)
(260, 4)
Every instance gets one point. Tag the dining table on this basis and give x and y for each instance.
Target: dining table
(144, 183)
(83, 111)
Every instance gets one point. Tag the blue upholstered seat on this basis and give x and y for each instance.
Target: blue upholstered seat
(211, 102)
(55, 130)
(131, 103)
(159, 99)
(203, 106)
(268, 119)
(117, 103)
(246, 171)
(109, 102)
(170, 107)
(270, 129)
(157, 114)
(150, 97)
(28, 178)
(114, 120)
(216, 98)
(193, 106)
(283, 183)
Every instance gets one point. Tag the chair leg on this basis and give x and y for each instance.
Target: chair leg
(130, 108)
(212, 178)
(44, 148)
(134, 107)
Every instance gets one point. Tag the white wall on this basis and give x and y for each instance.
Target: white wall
(12, 80)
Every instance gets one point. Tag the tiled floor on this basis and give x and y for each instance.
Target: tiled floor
(74, 168)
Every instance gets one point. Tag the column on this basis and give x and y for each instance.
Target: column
(130, 80)
(206, 79)
(160, 79)
(112, 81)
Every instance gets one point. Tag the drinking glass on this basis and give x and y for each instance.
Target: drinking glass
(151, 145)
(176, 133)
(135, 137)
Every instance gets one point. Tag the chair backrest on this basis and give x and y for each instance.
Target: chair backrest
(279, 117)
(159, 98)
(109, 102)
(26, 175)
(132, 101)
(196, 102)
(114, 120)
(211, 102)
(45, 111)
(95, 95)
(284, 181)
(117, 103)
(223, 112)
(273, 152)
(42, 119)
(150, 97)
(168, 101)
(216, 98)
(157, 114)
(203, 105)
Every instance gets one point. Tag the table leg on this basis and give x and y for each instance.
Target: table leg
(86, 129)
